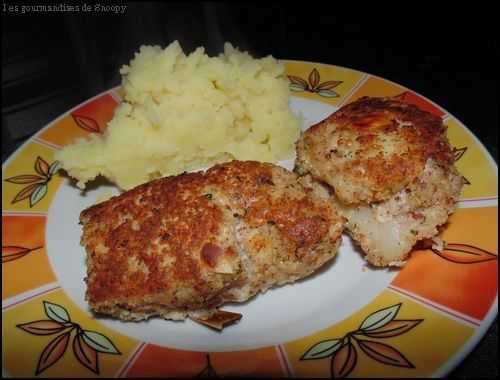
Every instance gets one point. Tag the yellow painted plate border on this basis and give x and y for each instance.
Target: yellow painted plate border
(397, 305)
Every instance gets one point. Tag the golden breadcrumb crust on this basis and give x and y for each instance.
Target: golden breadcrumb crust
(180, 246)
(372, 148)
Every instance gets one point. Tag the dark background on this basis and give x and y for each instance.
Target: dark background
(53, 61)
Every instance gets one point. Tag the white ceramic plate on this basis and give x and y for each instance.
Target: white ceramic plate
(424, 318)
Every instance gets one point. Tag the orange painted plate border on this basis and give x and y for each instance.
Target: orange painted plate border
(486, 321)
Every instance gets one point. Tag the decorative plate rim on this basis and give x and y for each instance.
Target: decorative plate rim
(479, 332)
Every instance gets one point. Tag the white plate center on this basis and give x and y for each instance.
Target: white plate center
(282, 314)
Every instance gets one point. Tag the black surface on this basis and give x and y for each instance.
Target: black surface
(53, 61)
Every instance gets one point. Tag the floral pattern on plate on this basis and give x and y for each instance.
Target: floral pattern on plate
(397, 334)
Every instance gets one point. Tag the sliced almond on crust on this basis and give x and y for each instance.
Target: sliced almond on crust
(219, 260)
(219, 319)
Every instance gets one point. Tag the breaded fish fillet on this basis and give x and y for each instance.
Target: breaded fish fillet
(181, 246)
(391, 167)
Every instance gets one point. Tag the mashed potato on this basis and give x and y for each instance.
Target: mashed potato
(182, 113)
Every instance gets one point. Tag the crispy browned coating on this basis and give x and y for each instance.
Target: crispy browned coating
(180, 246)
(372, 148)
(391, 167)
